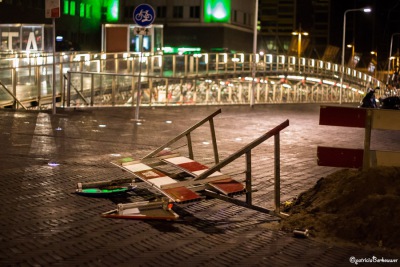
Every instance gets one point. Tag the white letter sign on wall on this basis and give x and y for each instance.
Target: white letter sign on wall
(31, 45)
(10, 36)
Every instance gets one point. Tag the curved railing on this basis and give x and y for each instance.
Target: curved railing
(211, 78)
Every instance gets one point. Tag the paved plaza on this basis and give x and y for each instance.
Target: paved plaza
(44, 156)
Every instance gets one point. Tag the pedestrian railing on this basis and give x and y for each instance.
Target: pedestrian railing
(208, 78)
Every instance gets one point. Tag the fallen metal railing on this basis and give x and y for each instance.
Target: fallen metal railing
(246, 150)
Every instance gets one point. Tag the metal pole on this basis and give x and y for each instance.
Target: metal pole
(299, 48)
(343, 42)
(253, 69)
(54, 66)
(390, 55)
(342, 64)
(277, 173)
(139, 81)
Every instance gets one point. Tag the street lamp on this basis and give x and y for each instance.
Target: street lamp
(254, 63)
(390, 54)
(376, 64)
(352, 46)
(365, 10)
(299, 34)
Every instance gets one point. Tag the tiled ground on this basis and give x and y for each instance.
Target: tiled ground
(43, 223)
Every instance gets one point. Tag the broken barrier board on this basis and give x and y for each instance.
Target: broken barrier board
(157, 179)
(156, 210)
(225, 185)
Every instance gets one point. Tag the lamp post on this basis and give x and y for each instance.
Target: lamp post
(254, 63)
(390, 55)
(352, 53)
(299, 33)
(376, 65)
(365, 10)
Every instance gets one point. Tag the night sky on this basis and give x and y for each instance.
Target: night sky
(369, 31)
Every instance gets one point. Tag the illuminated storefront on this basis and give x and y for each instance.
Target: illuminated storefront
(123, 38)
(25, 37)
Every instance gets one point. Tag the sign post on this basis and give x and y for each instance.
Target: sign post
(144, 16)
(53, 11)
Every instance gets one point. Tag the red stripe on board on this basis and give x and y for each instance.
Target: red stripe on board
(340, 157)
(192, 166)
(342, 116)
(181, 194)
(227, 186)
(149, 174)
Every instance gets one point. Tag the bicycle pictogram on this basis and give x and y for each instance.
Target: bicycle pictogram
(144, 16)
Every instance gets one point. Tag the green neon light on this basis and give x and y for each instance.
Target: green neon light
(217, 10)
(66, 7)
(72, 8)
(112, 10)
(181, 50)
(82, 10)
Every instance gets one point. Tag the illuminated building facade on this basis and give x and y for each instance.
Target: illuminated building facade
(207, 24)
(78, 28)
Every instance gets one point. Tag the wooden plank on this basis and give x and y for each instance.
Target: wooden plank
(385, 158)
(222, 183)
(340, 157)
(193, 183)
(227, 186)
(189, 166)
(182, 194)
(342, 116)
(386, 119)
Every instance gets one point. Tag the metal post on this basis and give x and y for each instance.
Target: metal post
(69, 90)
(366, 10)
(190, 147)
(390, 55)
(367, 140)
(54, 66)
(91, 89)
(248, 177)
(253, 69)
(277, 174)
(139, 80)
(214, 141)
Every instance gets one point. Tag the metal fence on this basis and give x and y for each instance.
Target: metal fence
(212, 78)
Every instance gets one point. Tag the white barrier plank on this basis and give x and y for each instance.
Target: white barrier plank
(386, 119)
(385, 158)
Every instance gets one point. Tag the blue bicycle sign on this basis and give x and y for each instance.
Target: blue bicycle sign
(144, 15)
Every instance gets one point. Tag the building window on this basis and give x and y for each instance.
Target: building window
(82, 10)
(88, 11)
(234, 16)
(244, 18)
(161, 11)
(195, 12)
(72, 8)
(177, 12)
(66, 8)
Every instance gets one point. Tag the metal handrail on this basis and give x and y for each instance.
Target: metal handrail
(13, 96)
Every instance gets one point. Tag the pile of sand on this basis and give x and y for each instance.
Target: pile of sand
(361, 207)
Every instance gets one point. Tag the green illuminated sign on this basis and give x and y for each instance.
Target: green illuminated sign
(112, 10)
(217, 10)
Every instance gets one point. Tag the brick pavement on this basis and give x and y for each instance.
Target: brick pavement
(44, 224)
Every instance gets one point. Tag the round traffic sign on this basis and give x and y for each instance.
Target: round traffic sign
(144, 15)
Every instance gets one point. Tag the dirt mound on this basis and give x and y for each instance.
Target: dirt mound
(361, 207)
